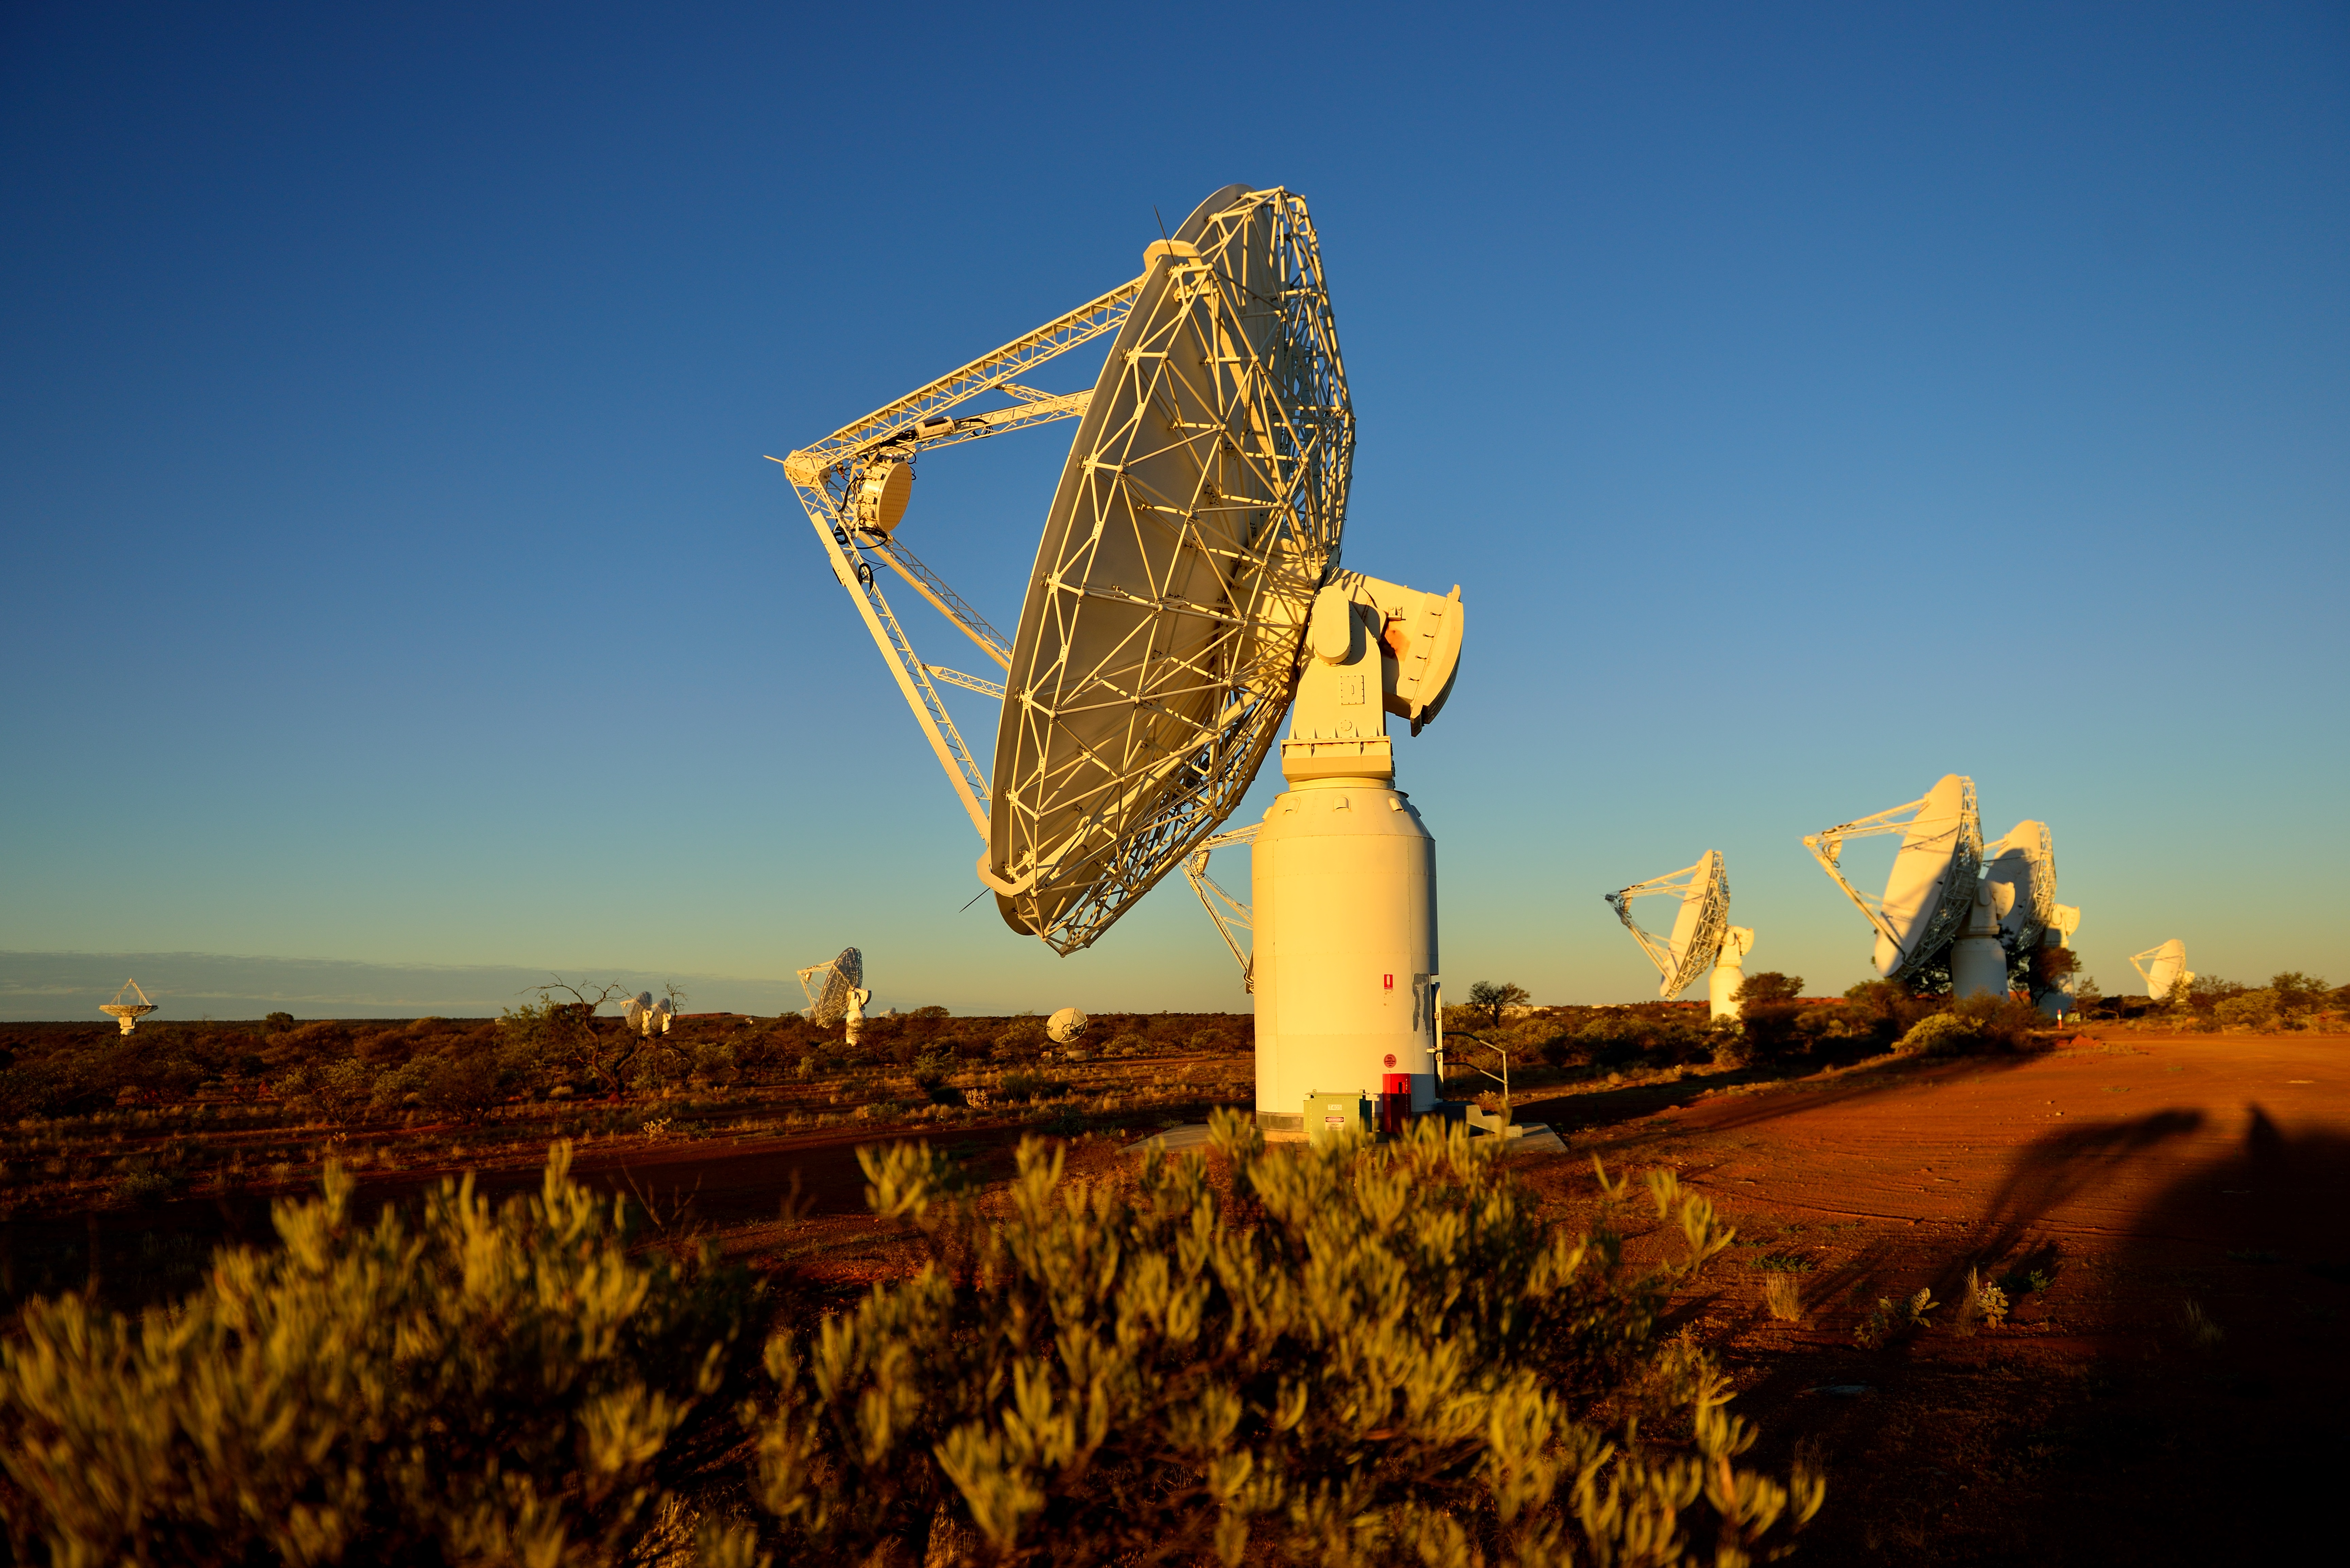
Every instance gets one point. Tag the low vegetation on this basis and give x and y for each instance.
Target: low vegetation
(477, 1385)
(90, 1118)
(1778, 1030)
(1355, 1354)
(2290, 1001)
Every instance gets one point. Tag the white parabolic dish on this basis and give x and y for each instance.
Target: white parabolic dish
(2020, 877)
(2165, 968)
(1200, 507)
(1698, 926)
(828, 985)
(1922, 872)
(1930, 889)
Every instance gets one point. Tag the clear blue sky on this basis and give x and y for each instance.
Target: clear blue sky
(1808, 400)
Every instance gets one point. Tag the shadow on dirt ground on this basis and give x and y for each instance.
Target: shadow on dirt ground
(2178, 1405)
(2215, 1432)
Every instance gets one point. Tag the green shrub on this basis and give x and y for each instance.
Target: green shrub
(1020, 1040)
(2247, 1009)
(1020, 1086)
(2296, 993)
(1882, 1011)
(1941, 1034)
(487, 1385)
(1978, 1024)
(1345, 1355)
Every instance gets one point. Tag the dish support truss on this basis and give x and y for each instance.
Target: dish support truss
(826, 985)
(830, 475)
(1199, 683)
(2150, 964)
(1957, 883)
(1229, 914)
(1706, 881)
(1289, 431)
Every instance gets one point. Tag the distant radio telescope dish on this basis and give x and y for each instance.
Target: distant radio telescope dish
(2164, 969)
(2020, 880)
(126, 1011)
(1066, 1025)
(1700, 921)
(1931, 891)
(828, 985)
(646, 1016)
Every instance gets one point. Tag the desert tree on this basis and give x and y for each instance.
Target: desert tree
(1492, 999)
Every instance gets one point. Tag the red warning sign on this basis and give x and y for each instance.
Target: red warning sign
(1391, 982)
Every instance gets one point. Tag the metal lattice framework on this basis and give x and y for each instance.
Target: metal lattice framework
(1200, 510)
(826, 985)
(1232, 914)
(829, 476)
(2022, 927)
(1698, 928)
(1965, 847)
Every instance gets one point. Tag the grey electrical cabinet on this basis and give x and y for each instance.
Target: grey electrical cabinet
(1331, 1117)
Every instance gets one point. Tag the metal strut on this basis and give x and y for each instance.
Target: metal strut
(1233, 915)
(826, 475)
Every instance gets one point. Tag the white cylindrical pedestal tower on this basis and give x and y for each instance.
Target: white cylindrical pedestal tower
(1721, 989)
(1343, 888)
(1978, 963)
(1977, 967)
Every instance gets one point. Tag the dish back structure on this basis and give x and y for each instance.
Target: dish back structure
(2020, 878)
(2163, 968)
(826, 985)
(1198, 512)
(1700, 926)
(1930, 889)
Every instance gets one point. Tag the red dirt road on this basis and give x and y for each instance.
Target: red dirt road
(2137, 1175)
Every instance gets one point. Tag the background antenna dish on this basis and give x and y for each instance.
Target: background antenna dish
(1198, 512)
(1698, 928)
(2020, 880)
(1930, 892)
(646, 1016)
(826, 986)
(2163, 969)
(129, 1006)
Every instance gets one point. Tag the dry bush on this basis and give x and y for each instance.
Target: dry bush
(1345, 1355)
(486, 1384)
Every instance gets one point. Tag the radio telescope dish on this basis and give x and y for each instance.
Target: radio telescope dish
(646, 1016)
(2164, 969)
(1185, 595)
(826, 986)
(1700, 925)
(1197, 514)
(1066, 1025)
(2020, 880)
(126, 1012)
(1930, 890)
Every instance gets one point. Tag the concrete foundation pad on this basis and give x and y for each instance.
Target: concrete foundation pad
(1175, 1140)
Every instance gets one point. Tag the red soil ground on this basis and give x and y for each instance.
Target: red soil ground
(2138, 1173)
(2134, 1173)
